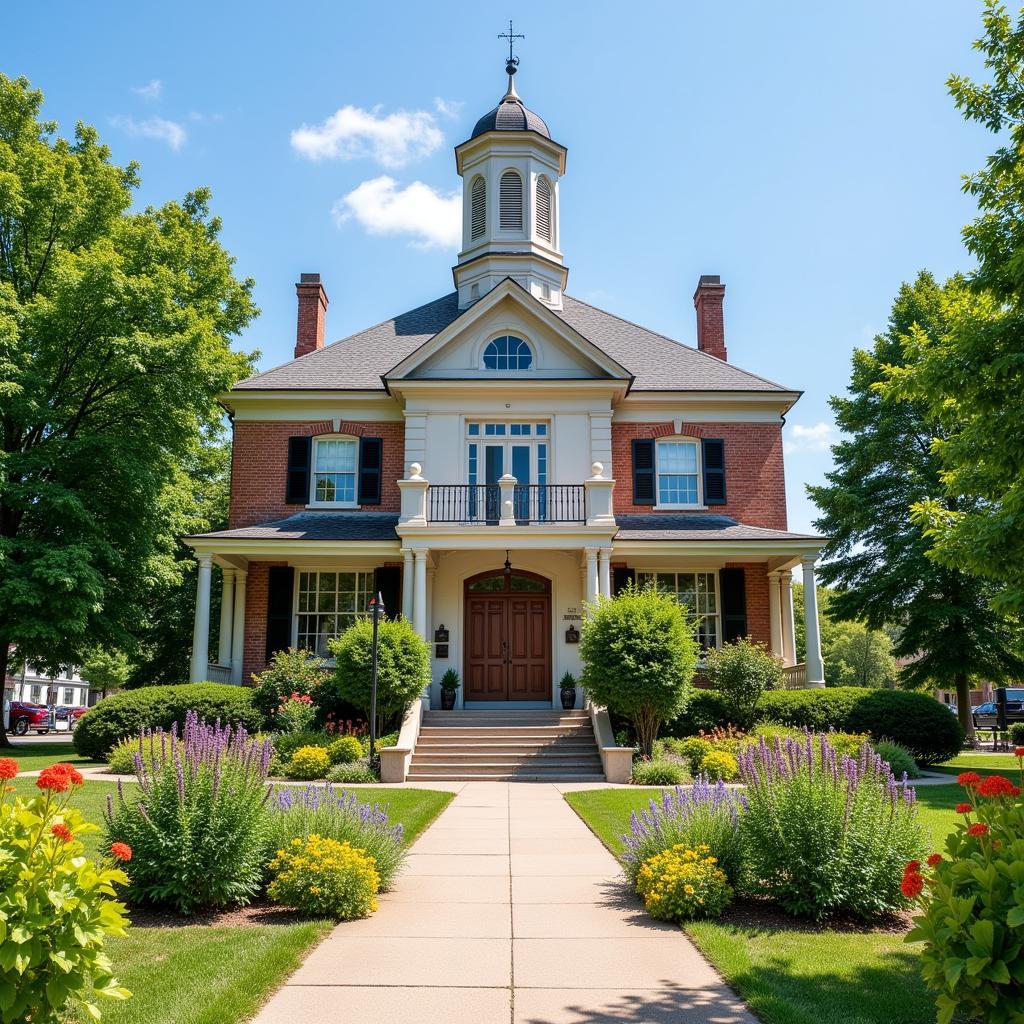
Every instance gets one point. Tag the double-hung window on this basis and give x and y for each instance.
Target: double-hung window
(678, 474)
(699, 592)
(328, 603)
(334, 471)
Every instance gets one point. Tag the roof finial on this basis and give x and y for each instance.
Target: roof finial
(513, 62)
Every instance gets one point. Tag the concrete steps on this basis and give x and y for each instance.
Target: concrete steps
(506, 746)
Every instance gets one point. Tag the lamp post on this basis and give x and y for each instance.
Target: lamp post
(376, 608)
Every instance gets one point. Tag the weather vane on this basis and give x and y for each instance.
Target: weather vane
(513, 62)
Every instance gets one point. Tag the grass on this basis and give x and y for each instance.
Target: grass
(983, 764)
(33, 757)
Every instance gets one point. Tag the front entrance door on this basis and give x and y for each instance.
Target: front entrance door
(508, 637)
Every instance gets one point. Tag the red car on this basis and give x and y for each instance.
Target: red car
(25, 716)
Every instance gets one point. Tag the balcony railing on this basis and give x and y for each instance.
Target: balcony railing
(481, 504)
(794, 677)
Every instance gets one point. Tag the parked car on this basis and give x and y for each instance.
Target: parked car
(25, 716)
(985, 717)
(70, 715)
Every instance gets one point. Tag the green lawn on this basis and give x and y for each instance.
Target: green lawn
(792, 976)
(983, 764)
(32, 757)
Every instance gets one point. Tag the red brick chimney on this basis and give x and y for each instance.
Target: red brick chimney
(309, 335)
(707, 300)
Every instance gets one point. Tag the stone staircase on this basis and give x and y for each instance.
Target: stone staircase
(505, 746)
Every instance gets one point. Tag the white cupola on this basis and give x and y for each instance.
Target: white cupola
(510, 168)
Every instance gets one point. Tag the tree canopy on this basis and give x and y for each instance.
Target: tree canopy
(115, 331)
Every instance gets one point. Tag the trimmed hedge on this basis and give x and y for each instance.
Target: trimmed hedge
(124, 714)
(705, 710)
(915, 720)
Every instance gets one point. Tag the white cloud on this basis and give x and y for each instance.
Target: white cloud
(351, 132)
(816, 438)
(150, 91)
(152, 128)
(448, 108)
(432, 218)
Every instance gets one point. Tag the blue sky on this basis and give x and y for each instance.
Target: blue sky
(806, 152)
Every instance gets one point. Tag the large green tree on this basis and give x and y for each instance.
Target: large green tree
(876, 554)
(970, 375)
(115, 330)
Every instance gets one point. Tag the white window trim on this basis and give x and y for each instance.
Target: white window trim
(696, 571)
(312, 502)
(510, 333)
(299, 569)
(699, 506)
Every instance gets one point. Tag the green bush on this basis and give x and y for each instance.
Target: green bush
(1017, 734)
(639, 653)
(286, 743)
(403, 668)
(658, 773)
(349, 774)
(899, 759)
(321, 876)
(917, 721)
(719, 765)
(122, 758)
(679, 884)
(705, 710)
(309, 763)
(389, 739)
(741, 671)
(159, 707)
(345, 750)
(291, 671)
(693, 749)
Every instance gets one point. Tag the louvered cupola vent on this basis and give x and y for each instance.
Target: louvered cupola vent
(510, 195)
(544, 208)
(478, 211)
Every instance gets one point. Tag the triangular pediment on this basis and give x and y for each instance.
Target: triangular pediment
(557, 351)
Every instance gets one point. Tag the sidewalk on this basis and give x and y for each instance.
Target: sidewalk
(510, 912)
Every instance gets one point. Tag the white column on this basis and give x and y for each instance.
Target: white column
(201, 629)
(815, 669)
(604, 575)
(419, 598)
(592, 579)
(788, 623)
(227, 615)
(407, 584)
(774, 614)
(238, 632)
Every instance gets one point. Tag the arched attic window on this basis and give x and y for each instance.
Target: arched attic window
(510, 196)
(544, 208)
(507, 353)
(478, 208)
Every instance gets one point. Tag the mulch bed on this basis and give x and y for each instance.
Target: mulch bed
(763, 916)
(258, 913)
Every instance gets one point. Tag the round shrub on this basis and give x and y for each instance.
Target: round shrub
(322, 876)
(679, 884)
(658, 773)
(122, 757)
(291, 671)
(1017, 734)
(705, 710)
(694, 749)
(741, 671)
(899, 759)
(719, 764)
(349, 774)
(159, 707)
(309, 763)
(345, 750)
(817, 710)
(286, 743)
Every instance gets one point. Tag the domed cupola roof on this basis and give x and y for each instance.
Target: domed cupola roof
(511, 114)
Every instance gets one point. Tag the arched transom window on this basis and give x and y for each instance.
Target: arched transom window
(478, 208)
(507, 353)
(544, 208)
(510, 196)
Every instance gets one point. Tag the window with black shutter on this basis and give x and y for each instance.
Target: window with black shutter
(734, 604)
(621, 579)
(387, 581)
(714, 471)
(371, 462)
(643, 471)
(280, 590)
(297, 486)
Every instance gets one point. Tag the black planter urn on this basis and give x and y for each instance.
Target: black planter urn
(447, 700)
(568, 698)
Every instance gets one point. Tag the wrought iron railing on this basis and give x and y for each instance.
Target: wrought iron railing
(481, 503)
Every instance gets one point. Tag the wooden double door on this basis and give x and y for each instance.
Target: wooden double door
(507, 653)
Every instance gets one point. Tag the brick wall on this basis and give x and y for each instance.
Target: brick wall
(259, 464)
(755, 483)
(256, 584)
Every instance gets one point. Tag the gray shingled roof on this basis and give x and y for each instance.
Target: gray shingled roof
(318, 526)
(657, 363)
(511, 115)
(693, 526)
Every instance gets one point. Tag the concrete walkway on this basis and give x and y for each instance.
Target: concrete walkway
(510, 912)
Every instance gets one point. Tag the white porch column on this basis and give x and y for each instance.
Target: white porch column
(201, 630)
(774, 614)
(407, 584)
(419, 599)
(604, 574)
(788, 624)
(592, 591)
(227, 615)
(815, 669)
(238, 632)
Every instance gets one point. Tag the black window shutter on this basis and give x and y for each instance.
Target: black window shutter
(280, 589)
(371, 461)
(621, 578)
(387, 581)
(713, 450)
(299, 451)
(734, 604)
(643, 471)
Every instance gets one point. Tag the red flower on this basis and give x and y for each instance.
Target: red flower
(62, 832)
(58, 777)
(996, 785)
(979, 828)
(964, 808)
(934, 859)
(8, 767)
(912, 867)
(1019, 752)
(122, 851)
(912, 885)
(968, 779)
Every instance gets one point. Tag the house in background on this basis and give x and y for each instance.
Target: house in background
(496, 458)
(26, 683)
